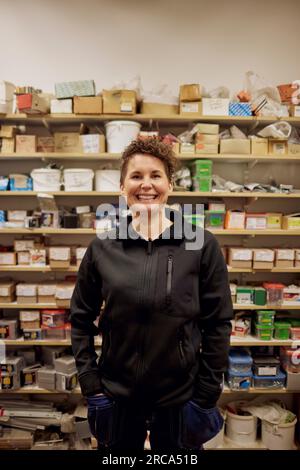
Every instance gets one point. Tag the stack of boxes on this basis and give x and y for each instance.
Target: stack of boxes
(190, 100)
(202, 175)
(10, 371)
(239, 374)
(264, 324)
(207, 138)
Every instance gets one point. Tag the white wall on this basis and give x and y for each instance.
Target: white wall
(206, 41)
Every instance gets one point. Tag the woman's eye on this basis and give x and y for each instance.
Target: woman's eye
(156, 176)
(135, 177)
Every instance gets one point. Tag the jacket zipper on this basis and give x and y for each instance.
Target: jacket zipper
(169, 278)
(180, 344)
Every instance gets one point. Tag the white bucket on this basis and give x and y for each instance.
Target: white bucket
(278, 436)
(78, 179)
(46, 179)
(241, 429)
(108, 180)
(119, 134)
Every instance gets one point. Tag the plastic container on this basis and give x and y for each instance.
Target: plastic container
(53, 318)
(107, 180)
(282, 329)
(264, 332)
(295, 332)
(78, 179)
(3, 183)
(241, 429)
(278, 436)
(265, 317)
(240, 361)
(274, 293)
(239, 381)
(290, 359)
(266, 366)
(46, 179)
(20, 182)
(119, 134)
(269, 381)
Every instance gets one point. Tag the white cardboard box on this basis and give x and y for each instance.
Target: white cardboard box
(215, 106)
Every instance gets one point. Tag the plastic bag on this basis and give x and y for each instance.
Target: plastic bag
(159, 94)
(134, 84)
(220, 92)
(278, 130)
(272, 411)
(265, 99)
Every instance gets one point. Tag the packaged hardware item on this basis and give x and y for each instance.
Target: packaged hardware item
(239, 381)
(266, 366)
(269, 381)
(26, 293)
(240, 257)
(29, 374)
(32, 333)
(282, 329)
(49, 332)
(9, 329)
(274, 293)
(65, 364)
(66, 382)
(290, 359)
(240, 361)
(9, 381)
(264, 332)
(241, 325)
(11, 365)
(46, 377)
(53, 318)
(244, 295)
(265, 317)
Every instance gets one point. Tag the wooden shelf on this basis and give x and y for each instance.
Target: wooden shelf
(14, 305)
(185, 194)
(253, 341)
(218, 157)
(65, 118)
(265, 307)
(42, 269)
(254, 271)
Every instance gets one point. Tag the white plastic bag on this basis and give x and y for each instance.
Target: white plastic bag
(278, 130)
(265, 99)
(159, 94)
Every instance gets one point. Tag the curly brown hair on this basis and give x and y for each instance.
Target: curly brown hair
(154, 147)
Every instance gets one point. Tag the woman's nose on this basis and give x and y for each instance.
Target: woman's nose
(146, 183)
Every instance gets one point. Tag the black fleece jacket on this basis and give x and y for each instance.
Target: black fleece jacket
(166, 322)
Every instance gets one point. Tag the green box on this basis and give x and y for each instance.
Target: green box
(260, 296)
(265, 317)
(244, 295)
(282, 329)
(195, 219)
(264, 332)
(202, 184)
(214, 219)
(202, 168)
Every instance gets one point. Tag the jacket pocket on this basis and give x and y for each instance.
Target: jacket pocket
(199, 425)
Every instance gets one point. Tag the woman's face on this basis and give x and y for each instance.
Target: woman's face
(146, 182)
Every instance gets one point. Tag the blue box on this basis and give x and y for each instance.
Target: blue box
(20, 183)
(269, 381)
(240, 109)
(78, 88)
(3, 183)
(240, 361)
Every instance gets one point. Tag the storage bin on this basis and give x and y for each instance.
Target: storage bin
(295, 333)
(20, 182)
(240, 361)
(265, 317)
(264, 332)
(46, 179)
(78, 179)
(281, 329)
(278, 436)
(269, 381)
(266, 366)
(241, 429)
(239, 381)
(274, 293)
(119, 134)
(108, 180)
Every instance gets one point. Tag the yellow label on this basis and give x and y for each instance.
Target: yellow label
(294, 223)
(6, 380)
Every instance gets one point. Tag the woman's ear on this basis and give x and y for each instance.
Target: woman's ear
(171, 187)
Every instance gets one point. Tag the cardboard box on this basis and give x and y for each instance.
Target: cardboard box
(259, 146)
(26, 290)
(23, 258)
(191, 92)
(80, 252)
(240, 109)
(291, 221)
(31, 103)
(203, 128)
(64, 293)
(295, 110)
(215, 106)
(263, 258)
(240, 257)
(87, 104)
(9, 329)
(11, 365)
(274, 220)
(277, 147)
(8, 145)
(76, 88)
(45, 144)
(93, 143)
(186, 148)
(291, 295)
(8, 259)
(59, 257)
(206, 148)
(16, 215)
(293, 149)
(26, 299)
(255, 221)
(66, 382)
(67, 142)
(119, 102)
(190, 109)
(293, 382)
(235, 219)
(284, 257)
(46, 293)
(7, 289)
(26, 143)
(7, 132)
(235, 146)
(29, 316)
(286, 92)
(297, 257)
(38, 257)
(24, 244)
(201, 138)
(159, 109)
(64, 106)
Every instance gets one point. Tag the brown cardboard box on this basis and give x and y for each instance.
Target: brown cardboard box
(8, 258)
(259, 146)
(159, 109)
(297, 258)
(87, 104)
(240, 257)
(274, 220)
(202, 147)
(190, 109)
(119, 102)
(291, 221)
(59, 264)
(60, 256)
(63, 303)
(46, 292)
(7, 131)
(284, 257)
(23, 257)
(26, 300)
(93, 143)
(293, 149)
(186, 148)
(235, 146)
(201, 138)
(295, 110)
(8, 145)
(176, 147)
(277, 147)
(263, 258)
(255, 221)
(7, 290)
(25, 244)
(26, 143)
(45, 144)
(46, 299)
(67, 142)
(190, 92)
